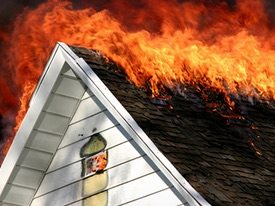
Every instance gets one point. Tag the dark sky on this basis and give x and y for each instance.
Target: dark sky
(9, 9)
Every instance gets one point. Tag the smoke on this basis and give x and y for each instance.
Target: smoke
(270, 9)
(6, 125)
(11, 8)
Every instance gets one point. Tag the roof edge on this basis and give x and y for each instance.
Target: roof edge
(37, 102)
(83, 70)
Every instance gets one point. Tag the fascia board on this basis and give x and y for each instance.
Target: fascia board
(39, 98)
(92, 81)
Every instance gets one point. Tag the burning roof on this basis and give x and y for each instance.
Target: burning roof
(226, 45)
(224, 153)
(221, 46)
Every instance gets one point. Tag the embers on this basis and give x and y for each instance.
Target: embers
(226, 111)
(238, 119)
(252, 144)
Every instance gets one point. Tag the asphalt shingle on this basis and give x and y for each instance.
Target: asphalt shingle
(227, 156)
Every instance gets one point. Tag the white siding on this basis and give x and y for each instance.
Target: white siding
(118, 192)
(165, 197)
(50, 165)
(87, 108)
(132, 176)
(87, 127)
(60, 197)
(136, 189)
(118, 174)
(44, 140)
(70, 154)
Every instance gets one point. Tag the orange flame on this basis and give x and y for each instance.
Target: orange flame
(163, 43)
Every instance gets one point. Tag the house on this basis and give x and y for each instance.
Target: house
(90, 137)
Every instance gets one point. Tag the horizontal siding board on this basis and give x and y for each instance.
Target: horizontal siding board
(60, 197)
(87, 107)
(116, 175)
(60, 178)
(87, 127)
(165, 197)
(79, 203)
(123, 153)
(113, 136)
(118, 195)
(129, 171)
(136, 189)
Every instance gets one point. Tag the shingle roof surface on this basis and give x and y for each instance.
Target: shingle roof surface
(229, 159)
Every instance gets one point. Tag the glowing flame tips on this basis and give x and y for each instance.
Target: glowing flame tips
(165, 43)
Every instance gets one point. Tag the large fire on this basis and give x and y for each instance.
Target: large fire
(229, 48)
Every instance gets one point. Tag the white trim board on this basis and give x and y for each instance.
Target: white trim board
(36, 106)
(63, 54)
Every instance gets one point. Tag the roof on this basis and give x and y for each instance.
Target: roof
(65, 79)
(225, 153)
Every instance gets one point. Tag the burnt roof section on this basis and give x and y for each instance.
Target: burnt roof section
(226, 154)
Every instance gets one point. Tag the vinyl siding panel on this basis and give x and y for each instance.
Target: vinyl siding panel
(117, 174)
(131, 174)
(164, 197)
(50, 166)
(44, 139)
(87, 127)
(87, 107)
(113, 136)
(118, 194)
(136, 189)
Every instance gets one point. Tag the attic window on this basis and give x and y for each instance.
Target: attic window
(94, 154)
